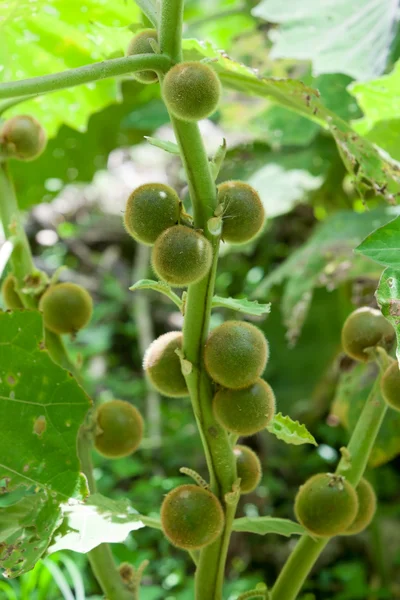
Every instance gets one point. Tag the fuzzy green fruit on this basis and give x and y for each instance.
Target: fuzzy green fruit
(151, 209)
(390, 386)
(365, 328)
(366, 508)
(22, 137)
(245, 411)
(163, 366)
(10, 296)
(326, 505)
(243, 212)
(119, 429)
(66, 308)
(140, 44)
(181, 256)
(191, 91)
(191, 517)
(248, 468)
(236, 354)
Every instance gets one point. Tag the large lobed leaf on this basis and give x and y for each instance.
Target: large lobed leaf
(41, 409)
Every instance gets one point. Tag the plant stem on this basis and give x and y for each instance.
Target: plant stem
(219, 456)
(305, 554)
(72, 77)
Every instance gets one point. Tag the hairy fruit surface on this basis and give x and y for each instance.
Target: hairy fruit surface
(191, 517)
(119, 429)
(236, 354)
(243, 212)
(366, 508)
(248, 468)
(140, 44)
(163, 366)
(326, 505)
(10, 296)
(181, 256)
(390, 386)
(66, 308)
(191, 91)
(22, 137)
(151, 209)
(245, 411)
(365, 328)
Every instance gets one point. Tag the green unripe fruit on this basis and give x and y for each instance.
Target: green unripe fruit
(365, 328)
(245, 411)
(140, 44)
(366, 508)
(22, 137)
(181, 256)
(163, 365)
(235, 354)
(191, 91)
(243, 212)
(66, 308)
(151, 209)
(390, 386)
(10, 296)
(248, 468)
(326, 505)
(191, 517)
(119, 429)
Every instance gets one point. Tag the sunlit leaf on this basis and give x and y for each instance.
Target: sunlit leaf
(388, 298)
(289, 431)
(249, 307)
(157, 286)
(264, 525)
(383, 245)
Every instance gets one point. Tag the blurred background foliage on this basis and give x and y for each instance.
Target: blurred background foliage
(74, 196)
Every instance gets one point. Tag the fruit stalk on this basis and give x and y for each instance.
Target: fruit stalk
(307, 550)
(220, 459)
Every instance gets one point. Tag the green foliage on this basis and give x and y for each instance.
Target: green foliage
(265, 525)
(388, 298)
(383, 244)
(42, 407)
(289, 431)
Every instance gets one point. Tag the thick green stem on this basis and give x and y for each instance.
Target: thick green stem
(304, 556)
(72, 77)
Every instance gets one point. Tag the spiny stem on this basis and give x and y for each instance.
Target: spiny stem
(72, 77)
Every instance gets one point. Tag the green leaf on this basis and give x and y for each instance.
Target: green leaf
(41, 409)
(243, 305)
(93, 522)
(150, 10)
(217, 161)
(167, 146)
(332, 35)
(383, 245)
(158, 286)
(351, 393)
(42, 37)
(388, 298)
(289, 431)
(365, 162)
(264, 525)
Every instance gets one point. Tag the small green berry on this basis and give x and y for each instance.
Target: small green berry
(10, 296)
(390, 386)
(22, 137)
(140, 44)
(119, 429)
(163, 366)
(365, 328)
(248, 468)
(191, 91)
(66, 308)
(366, 508)
(245, 411)
(151, 209)
(243, 215)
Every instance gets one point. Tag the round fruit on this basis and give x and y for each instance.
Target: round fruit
(119, 429)
(235, 354)
(23, 137)
(181, 256)
(248, 468)
(10, 296)
(245, 411)
(366, 508)
(191, 517)
(243, 212)
(326, 505)
(365, 328)
(151, 209)
(140, 44)
(163, 365)
(66, 308)
(191, 91)
(390, 386)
